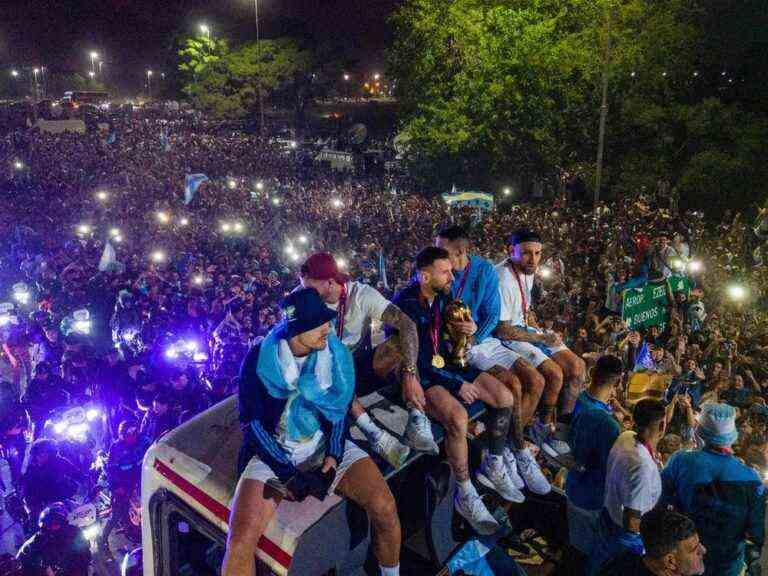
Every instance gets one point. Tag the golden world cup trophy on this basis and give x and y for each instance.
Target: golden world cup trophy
(457, 311)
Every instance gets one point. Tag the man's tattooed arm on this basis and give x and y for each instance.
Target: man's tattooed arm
(408, 336)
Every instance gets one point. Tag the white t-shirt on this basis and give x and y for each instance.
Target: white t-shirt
(511, 302)
(364, 303)
(632, 478)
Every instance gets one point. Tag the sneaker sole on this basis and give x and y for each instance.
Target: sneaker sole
(426, 448)
(484, 529)
(485, 481)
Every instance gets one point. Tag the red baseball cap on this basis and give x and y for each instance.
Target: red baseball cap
(323, 266)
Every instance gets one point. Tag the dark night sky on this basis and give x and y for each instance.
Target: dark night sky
(135, 34)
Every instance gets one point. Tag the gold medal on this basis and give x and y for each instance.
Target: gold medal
(438, 361)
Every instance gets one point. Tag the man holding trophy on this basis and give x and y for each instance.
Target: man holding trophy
(447, 385)
(476, 290)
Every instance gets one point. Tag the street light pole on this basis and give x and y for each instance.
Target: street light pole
(604, 103)
(94, 55)
(258, 58)
(149, 83)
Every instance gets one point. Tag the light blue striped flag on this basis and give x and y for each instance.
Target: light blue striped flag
(383, 269)
(193, 182)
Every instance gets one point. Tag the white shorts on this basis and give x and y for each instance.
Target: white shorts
(491, 352)
(258, 470)
(536, 354)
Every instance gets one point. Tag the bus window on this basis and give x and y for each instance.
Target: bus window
(192, 552)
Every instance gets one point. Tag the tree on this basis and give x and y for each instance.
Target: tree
(228, 84)
(495, 88)
(197, 56)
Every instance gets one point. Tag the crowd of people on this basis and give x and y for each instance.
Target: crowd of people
(124, 298)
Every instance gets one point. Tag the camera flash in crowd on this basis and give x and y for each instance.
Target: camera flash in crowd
(302, 239)
(162, 217)
(294, 257)
(238, 227)
(226, 227)
(18, 165)
(737, 292)
(184, 222)
(21, 293)
(259, 185)
(232, 183)
(341, 262)
(545, 272)
(198, 280)
(695, 266)
(336, 203)
(678, 264)
(158, 256)
(83, 229)
(276, 201)
(114, 232)
(507, 191)
(102, 196)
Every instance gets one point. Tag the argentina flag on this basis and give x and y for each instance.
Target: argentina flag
(191, 185)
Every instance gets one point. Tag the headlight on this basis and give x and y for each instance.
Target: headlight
(76, 431)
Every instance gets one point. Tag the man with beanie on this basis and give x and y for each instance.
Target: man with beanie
(723, 496)
(592, 433)
(357, 306)
(295, 390)
(563, 371)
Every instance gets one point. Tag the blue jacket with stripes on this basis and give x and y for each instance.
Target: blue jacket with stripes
(260, 416)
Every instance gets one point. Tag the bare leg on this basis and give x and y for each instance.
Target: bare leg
(553, 377)
(444, 408)
(364, 484)
(253, 507)
(574, 375)
(532, 384)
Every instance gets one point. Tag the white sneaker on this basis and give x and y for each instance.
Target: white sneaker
(391, 449)
(514, 475)
(418, 432)
(493, 474)
(545, 438)
(531, 473)
(472, 508)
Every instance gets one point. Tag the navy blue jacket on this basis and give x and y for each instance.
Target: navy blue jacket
(260, 416)
(410, 301)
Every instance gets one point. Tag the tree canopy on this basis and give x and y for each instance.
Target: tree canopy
(495, 88)
(226, 81)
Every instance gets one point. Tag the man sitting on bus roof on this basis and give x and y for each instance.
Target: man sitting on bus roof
(295, 390)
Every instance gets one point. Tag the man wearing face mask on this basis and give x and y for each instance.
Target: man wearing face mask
(672, 548)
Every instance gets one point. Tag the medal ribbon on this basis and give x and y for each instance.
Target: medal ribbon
(434, 327)
(341, 311)
(522, 294)
(463, 280)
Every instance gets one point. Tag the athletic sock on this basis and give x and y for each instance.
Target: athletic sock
(390, 570)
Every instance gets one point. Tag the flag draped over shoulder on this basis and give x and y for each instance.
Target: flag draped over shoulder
(191, 185)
